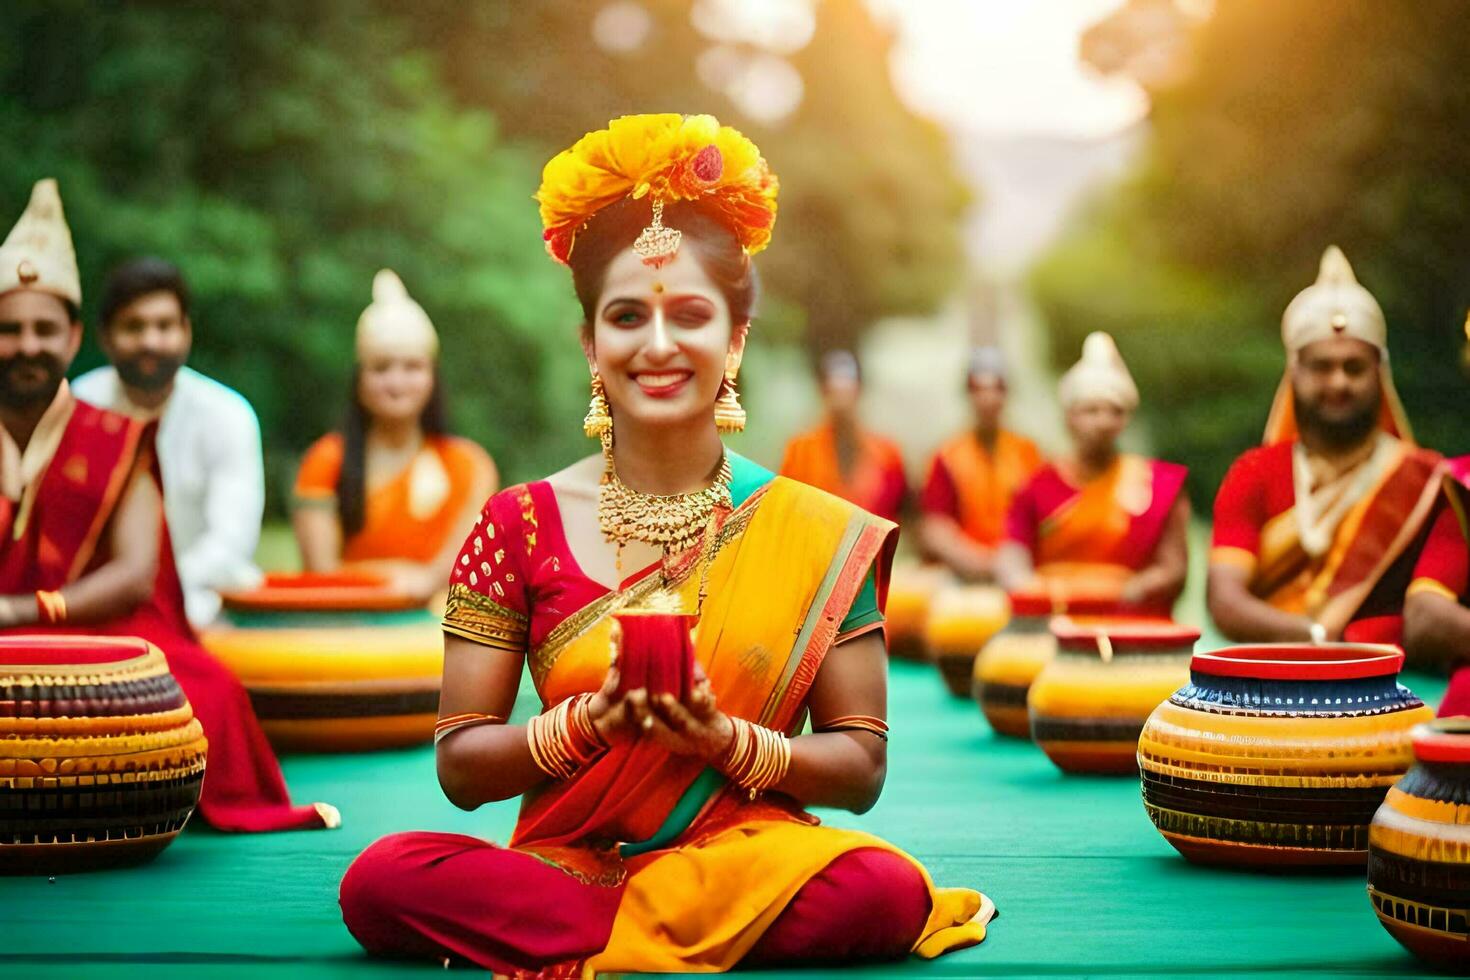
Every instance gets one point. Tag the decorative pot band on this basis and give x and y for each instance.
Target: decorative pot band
(1277, 680)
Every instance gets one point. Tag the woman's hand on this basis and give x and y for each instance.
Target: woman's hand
(613, 714)
(693, 727)
(415, 581)
(1135, 590)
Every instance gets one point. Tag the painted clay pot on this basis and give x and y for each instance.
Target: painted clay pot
(333, 663)
(1277, 755)
(1002, 674)
(1089, 703)
(911, 590)
(1419, 849)
(101, 757)
(961, 620)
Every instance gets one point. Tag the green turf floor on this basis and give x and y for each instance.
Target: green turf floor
(1084, 884)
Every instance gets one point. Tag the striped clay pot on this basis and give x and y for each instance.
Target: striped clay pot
(1089, 703)
(1002, 674)
(333, 663)
(911, 589)
(1419, 849)
(1277, 755)
(101, 757)
(961, 620)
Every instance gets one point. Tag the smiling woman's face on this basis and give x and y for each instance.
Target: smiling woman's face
(660, 340)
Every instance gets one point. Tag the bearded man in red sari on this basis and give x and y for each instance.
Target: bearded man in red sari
(83, 544)
(843, 457)
(1318, 530)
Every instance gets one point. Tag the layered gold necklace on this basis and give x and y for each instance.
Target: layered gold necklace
(674, 522)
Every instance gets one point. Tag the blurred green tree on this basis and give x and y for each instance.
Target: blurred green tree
(281, 153)
(871, 203)
(1303, 123)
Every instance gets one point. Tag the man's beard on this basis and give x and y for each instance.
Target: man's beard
(22, 395)
(161, 375)
(1340, 433)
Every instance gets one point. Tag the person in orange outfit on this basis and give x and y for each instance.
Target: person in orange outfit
(393, 493)
(842, 456)
(1101, 521)
(973, 478)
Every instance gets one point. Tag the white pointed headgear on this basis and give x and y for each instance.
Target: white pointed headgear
(393, 323)
(38, 252)
(1333, 306)
(1100, 374)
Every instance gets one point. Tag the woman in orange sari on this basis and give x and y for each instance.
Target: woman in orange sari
(1101, 521)
(393, 493)
(662, 823)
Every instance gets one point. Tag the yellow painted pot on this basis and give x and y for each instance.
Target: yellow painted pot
(1002, 674)
(961, 620)
(911, 590)
(1278, 754)
(1419, 849)
(1089, 703)
(332, 666)
(101, 757)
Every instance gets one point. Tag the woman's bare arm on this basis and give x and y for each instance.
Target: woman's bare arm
(942, 538)
(843, 769)
(482, 763)
(319, 536)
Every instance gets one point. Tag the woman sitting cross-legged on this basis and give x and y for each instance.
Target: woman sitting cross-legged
(662, 823)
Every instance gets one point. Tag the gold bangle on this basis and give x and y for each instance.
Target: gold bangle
(563, 739)
(450, 724)
(758, 758)
(856, 723)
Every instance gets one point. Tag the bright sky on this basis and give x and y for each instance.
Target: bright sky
(1007, 66)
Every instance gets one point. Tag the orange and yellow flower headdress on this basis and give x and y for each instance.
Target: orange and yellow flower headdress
(667, 157)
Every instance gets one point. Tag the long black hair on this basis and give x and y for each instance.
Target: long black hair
(352, 479)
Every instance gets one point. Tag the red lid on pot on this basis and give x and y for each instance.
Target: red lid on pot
(1033, 603)
(1126, 634)
(346, 591)
(1301, 661)
(1442, 740)
(60, 650)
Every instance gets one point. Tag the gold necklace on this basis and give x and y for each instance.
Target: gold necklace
(674, 522)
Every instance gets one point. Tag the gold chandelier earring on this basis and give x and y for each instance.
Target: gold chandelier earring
(598, 423)
(729, 415)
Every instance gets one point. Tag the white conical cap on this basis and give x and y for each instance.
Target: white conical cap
(1100, 374)
(38, 252)
(393, 323)
(1336, 305)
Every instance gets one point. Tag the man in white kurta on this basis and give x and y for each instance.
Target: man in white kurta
(208, 435)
